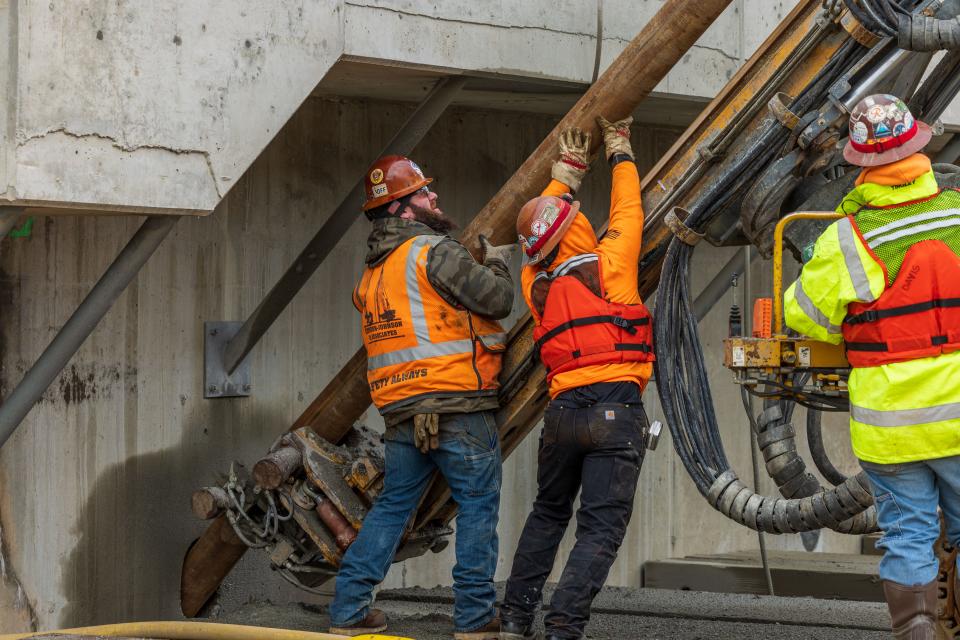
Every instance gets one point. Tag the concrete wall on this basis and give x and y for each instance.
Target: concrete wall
(138, 106)
(95, 485)
(133, 107)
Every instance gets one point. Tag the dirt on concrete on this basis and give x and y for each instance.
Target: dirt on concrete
(426, 614)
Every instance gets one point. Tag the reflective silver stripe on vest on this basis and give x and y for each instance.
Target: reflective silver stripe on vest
(811, 309)
(952, 221)
(412, 354)
(909, 221)
(417, 315)
(848, 246)
(575, 261)
(905, 417)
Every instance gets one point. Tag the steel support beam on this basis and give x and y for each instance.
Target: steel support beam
(339, 222)
(83, 321)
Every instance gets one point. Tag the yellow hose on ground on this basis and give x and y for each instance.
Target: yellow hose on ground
(195, 631)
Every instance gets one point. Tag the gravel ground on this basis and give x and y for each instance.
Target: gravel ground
(425, 614)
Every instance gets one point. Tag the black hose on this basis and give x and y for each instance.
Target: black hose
(818, 452)
(924, 33)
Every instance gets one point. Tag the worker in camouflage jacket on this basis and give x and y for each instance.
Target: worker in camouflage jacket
(429, 316)
(885, 281)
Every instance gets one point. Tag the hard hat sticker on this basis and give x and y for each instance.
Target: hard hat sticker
(376, 176)
(379, 190)
(539, 227)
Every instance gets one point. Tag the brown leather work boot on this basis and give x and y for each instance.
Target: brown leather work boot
(375, 622)
(913, 610)
(489, 631)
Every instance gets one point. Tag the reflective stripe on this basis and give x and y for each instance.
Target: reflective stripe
(412, 354)
(851, 256)
(806, 304)
(575, 261)
(920, 228)
(541, 274)
(905, 417)
(417, 315)
(910, 220)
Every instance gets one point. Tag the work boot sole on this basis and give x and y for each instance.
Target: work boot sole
(355, 631)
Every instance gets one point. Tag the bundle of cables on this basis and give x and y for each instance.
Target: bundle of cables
(682, 382)
(687, 404)
(914, 32)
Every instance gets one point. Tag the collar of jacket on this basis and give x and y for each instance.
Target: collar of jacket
(902, 181)
(578, 239)
(387, 234)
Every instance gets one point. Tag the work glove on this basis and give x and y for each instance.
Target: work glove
(574, 159)
(489, 251)
(616, 136)
(426, 431)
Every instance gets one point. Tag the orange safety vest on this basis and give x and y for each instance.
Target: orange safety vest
(918, 316)
(418, 344)
(580, 329)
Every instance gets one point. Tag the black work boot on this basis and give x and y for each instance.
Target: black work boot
(515, 631)
(375, 622)
(913, 610)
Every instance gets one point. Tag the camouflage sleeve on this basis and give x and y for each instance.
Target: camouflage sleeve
(485, 289)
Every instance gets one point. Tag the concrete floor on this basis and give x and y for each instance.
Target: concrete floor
(425, 614)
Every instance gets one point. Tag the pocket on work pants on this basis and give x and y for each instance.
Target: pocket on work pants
(472, 461)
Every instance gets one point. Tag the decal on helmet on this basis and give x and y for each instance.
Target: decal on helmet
(859, 133)
(379, 190)
(539, 227)
(376, 176)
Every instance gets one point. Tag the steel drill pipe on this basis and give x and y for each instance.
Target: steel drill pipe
(622, 87)
(629, 79)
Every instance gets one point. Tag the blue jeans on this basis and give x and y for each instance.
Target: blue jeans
(907, 496)
(469, 459)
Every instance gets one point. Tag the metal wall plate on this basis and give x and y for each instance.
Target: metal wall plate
(216, 382)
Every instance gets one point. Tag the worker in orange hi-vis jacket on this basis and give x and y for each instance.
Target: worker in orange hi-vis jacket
(595, 340)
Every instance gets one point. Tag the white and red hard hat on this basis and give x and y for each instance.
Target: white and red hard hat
(882, 130)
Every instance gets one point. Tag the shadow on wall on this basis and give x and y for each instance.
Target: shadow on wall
(136, 524)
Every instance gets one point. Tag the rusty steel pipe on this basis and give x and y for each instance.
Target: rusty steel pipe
(343, 533)
(209, 502)
(626, 82)
(273, 470)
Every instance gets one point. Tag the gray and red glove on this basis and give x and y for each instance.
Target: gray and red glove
(616, 136)
(574, 161)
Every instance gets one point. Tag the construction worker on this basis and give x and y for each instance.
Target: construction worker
(886, 281)
(428, 318)
(594, 335)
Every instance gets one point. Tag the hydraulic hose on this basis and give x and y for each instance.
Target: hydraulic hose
(924, 33)
(818, 452)
(190, 631)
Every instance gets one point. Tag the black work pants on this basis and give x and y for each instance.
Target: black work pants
(596, 449)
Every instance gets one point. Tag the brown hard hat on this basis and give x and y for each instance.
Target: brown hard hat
(882, 130)
(392, 177)
(542, 223)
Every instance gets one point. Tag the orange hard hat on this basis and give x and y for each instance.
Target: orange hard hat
(542, 223)
(392, 177)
